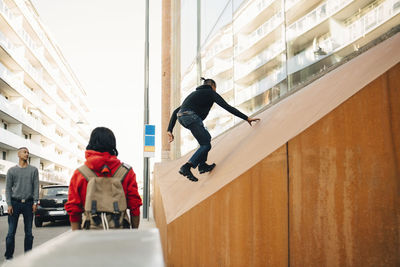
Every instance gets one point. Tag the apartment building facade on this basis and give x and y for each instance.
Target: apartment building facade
(42, 104)
(259, 51)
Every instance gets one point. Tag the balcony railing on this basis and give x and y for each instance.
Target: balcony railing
(353, 31)
(5, 165)
(259, 87)
(373, 19)
(246, 41)
(52, 177)
(225, 86)
(6, 11)
(264, 57)
(315, 17)
(251, 12)
(219, 67)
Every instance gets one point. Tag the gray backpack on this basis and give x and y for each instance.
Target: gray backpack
(105, 204)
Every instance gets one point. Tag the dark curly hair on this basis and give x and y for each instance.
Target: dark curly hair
(102, 139)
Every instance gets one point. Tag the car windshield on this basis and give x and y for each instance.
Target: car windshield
(54, 191)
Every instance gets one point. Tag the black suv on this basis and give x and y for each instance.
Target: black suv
(52, 199)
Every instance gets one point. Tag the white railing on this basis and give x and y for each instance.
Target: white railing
(6, 11)
(353, 31)
(6, 43)
(315, 17)
(274, 50)
(5, 165)
(52, 177)
(224, 43)
(46, 43)
(373, 19)
(246, 41)
(219, 67)
(242, 95)
(251, 12)
(225, 86)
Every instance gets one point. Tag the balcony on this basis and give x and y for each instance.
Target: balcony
(256, 67)
(225, 87)
(277, 76)
(5, 165)
(52, 177)
(46, 43)
(28, 40)
(6, 12)
(254, 15)
(252, 44)
(316, 23)
(34, 123)
(295, 9)
(358, 29)
(380, 14)
(37, 150)
(221, 69)
(222, 48)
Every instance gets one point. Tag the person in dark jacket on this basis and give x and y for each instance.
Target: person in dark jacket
(191, 114)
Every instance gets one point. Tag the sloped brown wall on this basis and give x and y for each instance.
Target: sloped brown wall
(339, 208)
(344, 182)
(244, 224)
(159, 216)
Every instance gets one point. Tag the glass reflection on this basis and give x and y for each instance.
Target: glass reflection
(258, 50)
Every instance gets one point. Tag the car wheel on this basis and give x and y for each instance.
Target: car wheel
(38, 222)
(1, 211)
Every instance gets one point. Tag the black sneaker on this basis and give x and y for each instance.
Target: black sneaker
(206, 168)
(185, 171)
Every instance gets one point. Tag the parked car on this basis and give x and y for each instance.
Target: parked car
(52, 199)
(3, 205)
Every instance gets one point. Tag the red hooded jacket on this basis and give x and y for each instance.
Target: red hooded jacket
(77, 188)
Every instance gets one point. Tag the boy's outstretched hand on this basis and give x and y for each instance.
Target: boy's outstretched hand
(170, 137)
(250, 120)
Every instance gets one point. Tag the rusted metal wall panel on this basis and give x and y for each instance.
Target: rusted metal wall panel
(344, 182)
(243, 224)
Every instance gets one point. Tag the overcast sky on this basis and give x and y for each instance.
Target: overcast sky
(103, 42)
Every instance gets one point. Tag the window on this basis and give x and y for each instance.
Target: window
(4, 155)
(54, 191)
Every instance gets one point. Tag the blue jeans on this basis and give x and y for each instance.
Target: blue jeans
(195, 124)
(26, 210)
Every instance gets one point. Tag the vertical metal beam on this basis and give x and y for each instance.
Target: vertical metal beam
(146, 187)
(198, 57)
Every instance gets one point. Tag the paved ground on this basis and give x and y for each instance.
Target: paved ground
(41, 235)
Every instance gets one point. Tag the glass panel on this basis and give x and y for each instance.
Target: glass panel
(214, 16)
(258, 50)
(321, 33)
(217, 64)
(259, 60)
(188, 37)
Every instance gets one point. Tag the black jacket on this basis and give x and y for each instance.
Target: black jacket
(200, 102)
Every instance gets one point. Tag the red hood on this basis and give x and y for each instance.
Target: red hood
(96, 161)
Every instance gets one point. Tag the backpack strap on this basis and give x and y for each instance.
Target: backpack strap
(122, 171)
(86, 172)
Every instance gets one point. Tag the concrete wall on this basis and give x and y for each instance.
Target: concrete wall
(328, 197)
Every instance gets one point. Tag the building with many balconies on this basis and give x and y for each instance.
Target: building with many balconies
(259, 50)
(42, 104)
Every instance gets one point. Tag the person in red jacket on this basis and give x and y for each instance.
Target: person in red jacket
(101, 157)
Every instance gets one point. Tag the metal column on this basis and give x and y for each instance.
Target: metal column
(146, 187)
